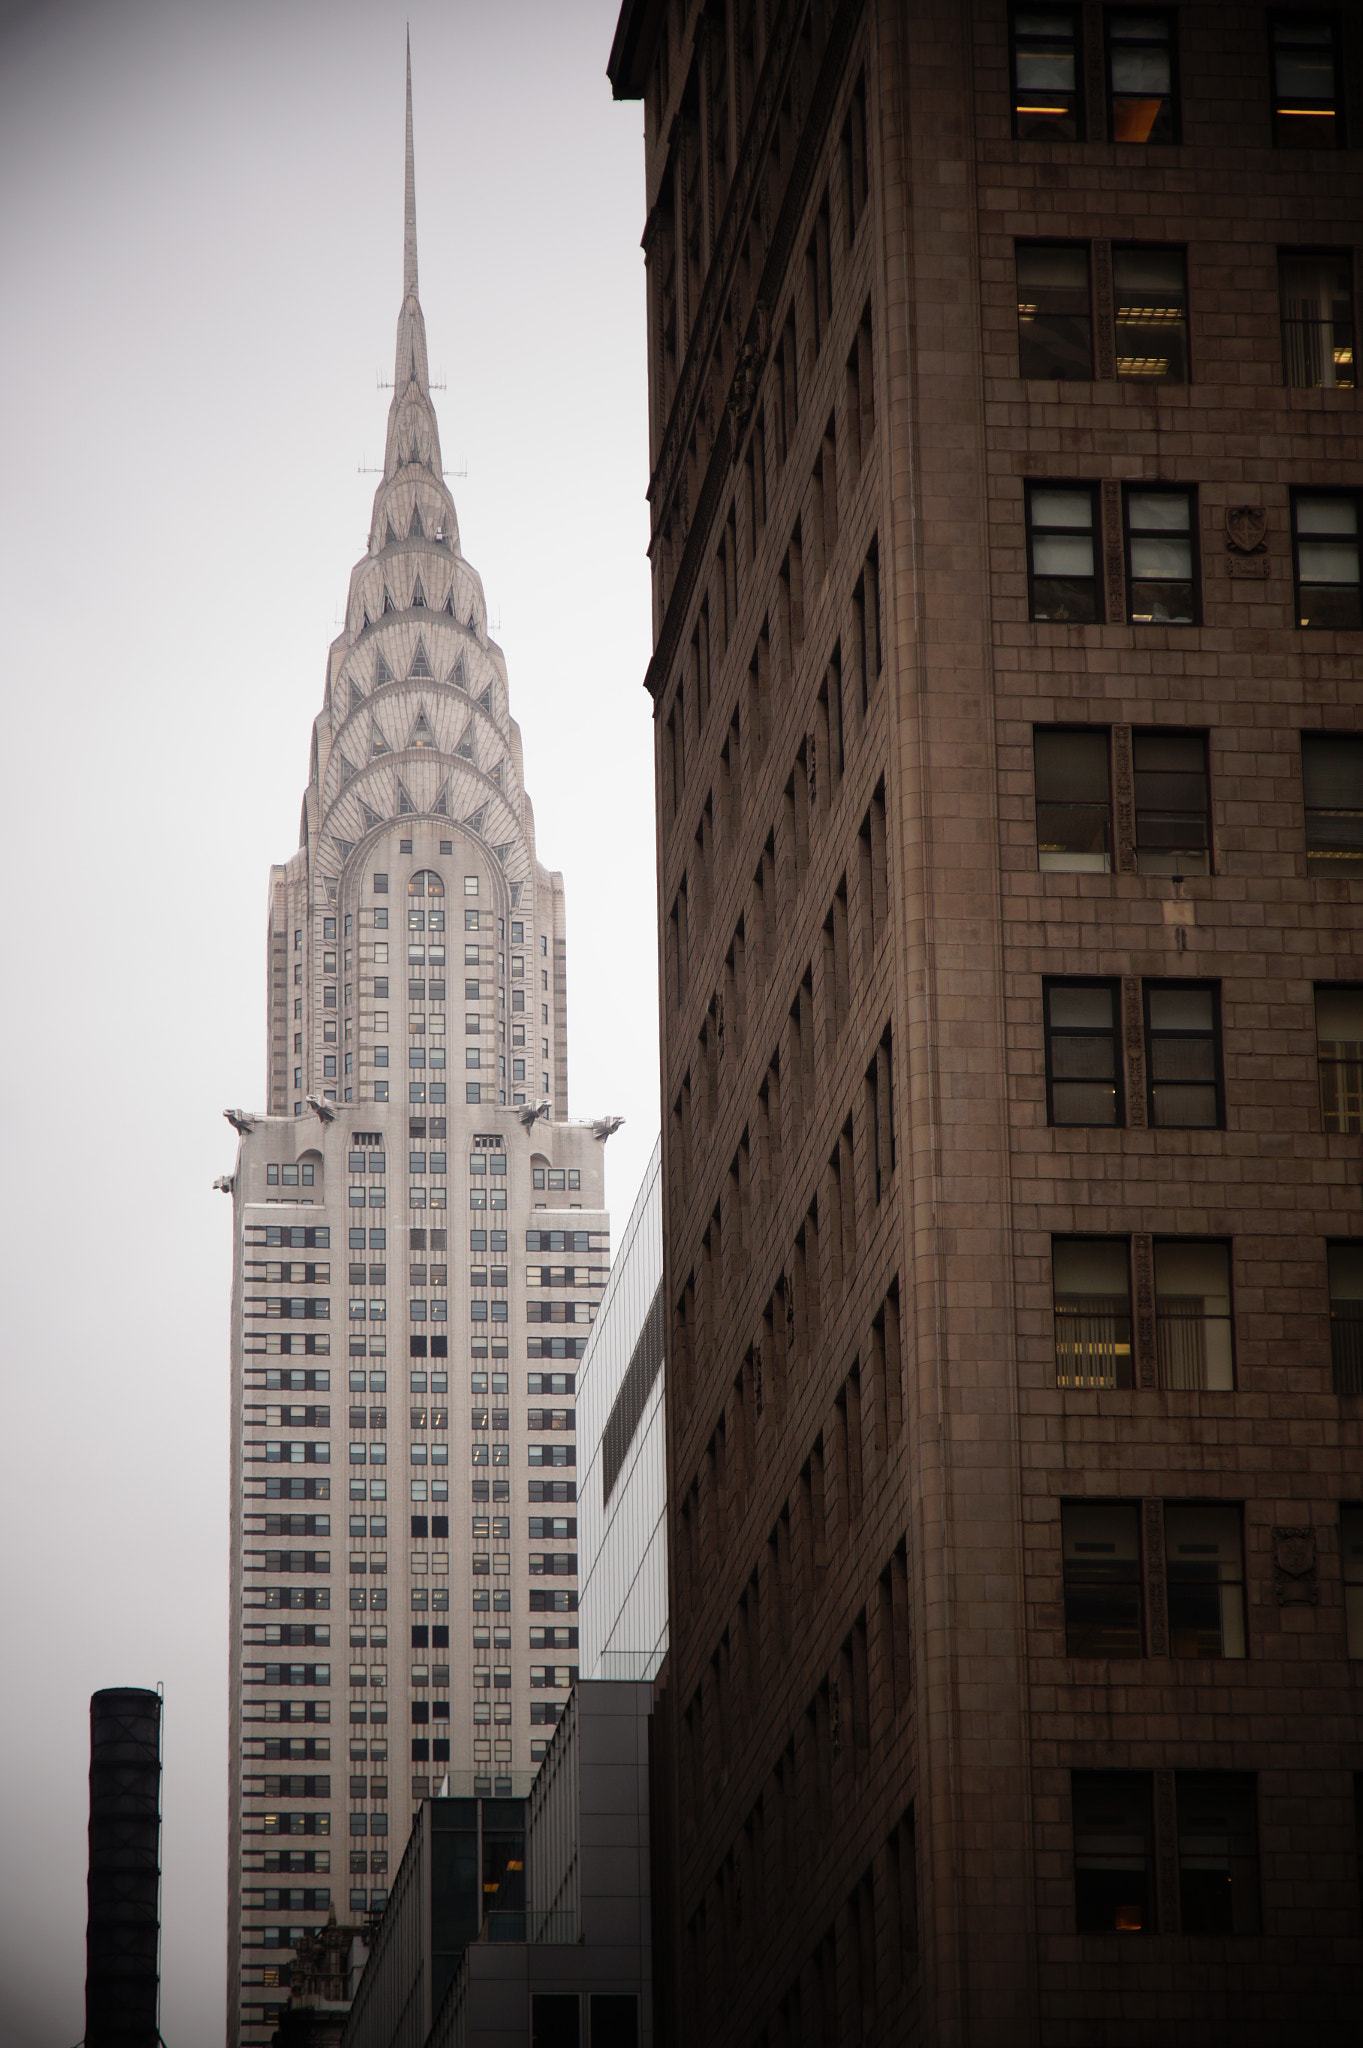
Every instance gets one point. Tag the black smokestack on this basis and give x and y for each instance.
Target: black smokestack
(122, 1934)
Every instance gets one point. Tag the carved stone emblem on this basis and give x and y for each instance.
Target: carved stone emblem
(1294, 1567)
(1246, 526)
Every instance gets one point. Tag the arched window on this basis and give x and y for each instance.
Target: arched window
(426, 882)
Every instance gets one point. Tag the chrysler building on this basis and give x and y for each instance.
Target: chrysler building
(420, 1242)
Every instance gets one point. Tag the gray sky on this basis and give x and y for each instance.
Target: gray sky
(201, 253)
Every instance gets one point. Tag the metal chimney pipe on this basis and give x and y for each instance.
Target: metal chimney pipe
(123, 1928)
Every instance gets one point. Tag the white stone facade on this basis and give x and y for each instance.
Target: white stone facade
(418, 1255)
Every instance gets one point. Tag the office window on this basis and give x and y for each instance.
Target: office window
(1142, 76)
(1308, 111)
(1160, 560)
(1091, 1288)
(1062, 553)
(1055, 319)
(1351, 1567)
(1114, 1851)
(615, 2019)
(1339, 1057)
(1047, 75)
(555, 2019)
(1325, 553)
(1204, 1564)
(1192, 1316)
(1345, 1266)
(1332, 793)
(1073, 801)
(1150, 297)
(1218, 1852)
(1083, 1052)
(1316, 292)
(1183, 1055)
(1173, 804)
(1102, 1565)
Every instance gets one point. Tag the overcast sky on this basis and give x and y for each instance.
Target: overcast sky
(201, 254)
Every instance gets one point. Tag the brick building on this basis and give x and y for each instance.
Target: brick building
(1005, 492)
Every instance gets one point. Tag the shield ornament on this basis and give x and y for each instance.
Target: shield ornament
(1246, 526)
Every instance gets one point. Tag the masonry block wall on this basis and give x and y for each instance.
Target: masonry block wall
(992, 433)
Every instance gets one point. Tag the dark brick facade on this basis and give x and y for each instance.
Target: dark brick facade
(873, 1721)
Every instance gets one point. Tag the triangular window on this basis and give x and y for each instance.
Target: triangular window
(390, 538)
(441, 806)
(516, 895)
(356, 695)
(345, 847)
(405, 805)
(502, 852)
(448, 606)
(422, 735)
(371, 821)
(497, 775)
(458, 677)
(388, 603)
(347, 771)
(475, 822)
(377, 743)
(465, 746)
(416, 531)
(419, 594)
(486, 698)
(382, 673)
(421, 667)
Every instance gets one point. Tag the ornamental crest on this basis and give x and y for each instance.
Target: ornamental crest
(1294, 1567)
(1246, 527)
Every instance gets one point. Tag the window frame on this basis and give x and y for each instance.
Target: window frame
(1130, 1509)
(1298, 494)
(1170, 16)
(1021, 242)
(1137, 1781)
(1157, 488)
(1076, 15)
(1113, 985)
(1280, 18)
(1165, 732)
(1225, 1245)
(1179, 249)
(1216, 1034)
(1320, 252)
(1031, 487)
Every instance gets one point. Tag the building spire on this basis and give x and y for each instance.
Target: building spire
(409, 196)
(412, 433)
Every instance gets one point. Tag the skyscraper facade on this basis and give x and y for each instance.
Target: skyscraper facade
(1005, 490)
(417, 1201)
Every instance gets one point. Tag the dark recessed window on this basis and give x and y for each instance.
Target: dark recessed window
(1114, 1852)
(1193, 1331)
(1183, 1055)
(1160, 559)
(1047, 75)
(1150, 300)
(1316, 292)
(1142, 76)
(1351, 1560)
(1083, 1052)
(1062, 553)
(1173, 824)
(1091, 1286)
(1073, 800)
(1308, 112)
(1100, 1541)
(1345, 1263)
(1339, 1057)
(1055, 319)
(1218, 1852)
(1206, 1578)
(1332, 794)
(1325, 547)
